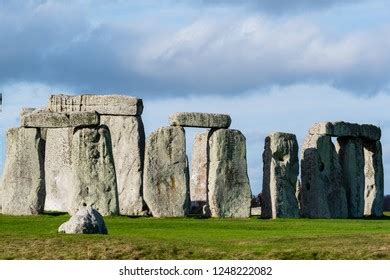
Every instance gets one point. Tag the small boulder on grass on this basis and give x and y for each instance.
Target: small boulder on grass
(87, 221)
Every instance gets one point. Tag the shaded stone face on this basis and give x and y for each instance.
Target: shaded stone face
(345, 129)
(374, 180)
(23, 183)
(199, 173)
(93, 170)
(166, 181)
(200, 120)
(58, 169)
(46, 119)
(229, 190)
(128, 145)
(281, 168)
(351, 156)
(103, 104)
(322, 194)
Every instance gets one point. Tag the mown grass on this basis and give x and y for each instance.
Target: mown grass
(36, 237)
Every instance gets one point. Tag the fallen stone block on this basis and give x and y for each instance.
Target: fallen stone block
(200, 120)
(103, 104)
(166, 182)
(228, 183)
(23, 183)
(280, 174)
(86, 221)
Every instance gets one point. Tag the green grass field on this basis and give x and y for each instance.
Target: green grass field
(35, 237)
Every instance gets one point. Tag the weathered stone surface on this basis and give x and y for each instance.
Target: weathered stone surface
(199, 173)
(352, 162)
(58, 169)
(93, 170)
(128, 145)
(23, 183)
(25, 111)
(256, 211)
(200, 120)
(374, 180)
(345, 129)
(46, 119)
(228, 183)
(86, 221)
(370, 132)
(166, 182)
(103, 104)
(322, 194)
(280, 173)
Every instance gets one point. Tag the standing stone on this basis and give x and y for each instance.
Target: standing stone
(374, 181)
(128, 144)
(322, 193)
(352, 162)
(93, 170)
(166, 182)
(58, 169)
(280, 169)
(23, 183)
(199, 173)
(229, 190)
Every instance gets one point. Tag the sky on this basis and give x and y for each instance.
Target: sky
(274, 65)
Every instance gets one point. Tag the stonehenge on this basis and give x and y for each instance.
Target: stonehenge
(88, 153)
(343, 181)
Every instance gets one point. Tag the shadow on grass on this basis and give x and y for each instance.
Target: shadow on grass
(54, 214)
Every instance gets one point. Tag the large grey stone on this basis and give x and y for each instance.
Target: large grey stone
(322, 194)
(280, 173)
(199, 173)
(58, 169)
(94, 182)
(166, 182)
(47, 119)
(374, 181)
(352, 162)
(128, 145)
(228, 183)
(345, 129)
(200, 120)
(86, 221)
(23, 183)
(103, 104)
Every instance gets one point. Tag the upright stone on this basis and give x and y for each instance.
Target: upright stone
(103, 104)
(58, 169)
(166, 182)
(207, 120)
(374, 181)
(93, 170)
(352, 162)
(228, 183)
(128, 145)
(280, 173)
(23, 183)
(322, 194)
(199, 173)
